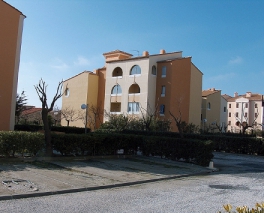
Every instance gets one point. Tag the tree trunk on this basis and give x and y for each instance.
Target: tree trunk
(47, 133)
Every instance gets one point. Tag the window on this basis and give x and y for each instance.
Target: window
(116, 90)
(224, 109)
(256, 105)
(163, 72)
(133, 107)
(162, 109)
(229, 122)
(67, 92)
(134, 88)
(236, 114)
(256, 115)
(154, 70)
(246, 105)
(115, 108)
(209, 105)
(237, 105)
(245, 114)
(136, 70)
(229, 105)
(117, 72)
(229, 114)
(163, 90)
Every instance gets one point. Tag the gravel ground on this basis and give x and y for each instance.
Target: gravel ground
(192, 194)
(240, 181)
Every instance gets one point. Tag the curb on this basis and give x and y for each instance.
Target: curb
(67, 191)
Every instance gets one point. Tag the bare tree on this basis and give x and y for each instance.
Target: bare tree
(221, 127)
(41, 89)
(243, 122)
(178, 117)
(69, 114)
(94, 116)
(149, 115)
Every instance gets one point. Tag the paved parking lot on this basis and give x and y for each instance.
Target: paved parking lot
(24, 179)
(240, 181)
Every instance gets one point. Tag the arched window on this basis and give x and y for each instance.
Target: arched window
(116, 90)
(134, 88)
(117, 72)
(154, 70)
(136, 70)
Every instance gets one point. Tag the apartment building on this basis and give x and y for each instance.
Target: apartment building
(159, 83)
(86, 88)
(246, 109)
(211, 108)
(11, 25)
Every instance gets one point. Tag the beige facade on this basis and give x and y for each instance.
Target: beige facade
(211, 109)
(245, 109)
(83, 89)
(11, 25)
(133, 85)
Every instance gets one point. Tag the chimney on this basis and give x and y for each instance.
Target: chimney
(213, 89)
(162, 52)
(145, 53)
(248, 94)
(235, 94)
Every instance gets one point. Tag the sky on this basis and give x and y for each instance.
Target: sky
(62, 38)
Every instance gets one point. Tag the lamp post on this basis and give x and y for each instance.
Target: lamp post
(85, 106)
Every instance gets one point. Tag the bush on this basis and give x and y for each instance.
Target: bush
(196, 151)
(65, 129)
(17, 142)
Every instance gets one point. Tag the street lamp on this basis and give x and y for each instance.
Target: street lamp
(85, 106)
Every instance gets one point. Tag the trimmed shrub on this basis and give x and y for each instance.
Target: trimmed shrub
(17, 142)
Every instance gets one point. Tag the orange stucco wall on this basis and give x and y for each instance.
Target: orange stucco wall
(101, 94)
(177, 83)
(11, 23)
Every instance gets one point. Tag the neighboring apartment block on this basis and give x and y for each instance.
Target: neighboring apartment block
(160, 83)
(245, 109)
(11, 25)
(211, 107)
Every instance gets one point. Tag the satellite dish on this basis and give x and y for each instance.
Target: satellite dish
(83, 106)
(205, 120)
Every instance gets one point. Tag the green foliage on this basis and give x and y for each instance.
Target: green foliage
(65, 129)
(16, 142)
(21, 101)
(123, 122)
(196, 151)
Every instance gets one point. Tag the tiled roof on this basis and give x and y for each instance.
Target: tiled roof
(117, 51)
(209, 92)
(31, 110)
(254, 97)
(225, 96)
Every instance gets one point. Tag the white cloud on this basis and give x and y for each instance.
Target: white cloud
(60, 65)
(236, 60)
(221, 77)
(82, 61)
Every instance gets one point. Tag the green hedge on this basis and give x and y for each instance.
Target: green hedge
(196, 151)
(239, 145)
(65, 129)
(93, 144)
(16, 142)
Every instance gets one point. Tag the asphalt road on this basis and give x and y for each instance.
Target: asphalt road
(240, 181)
